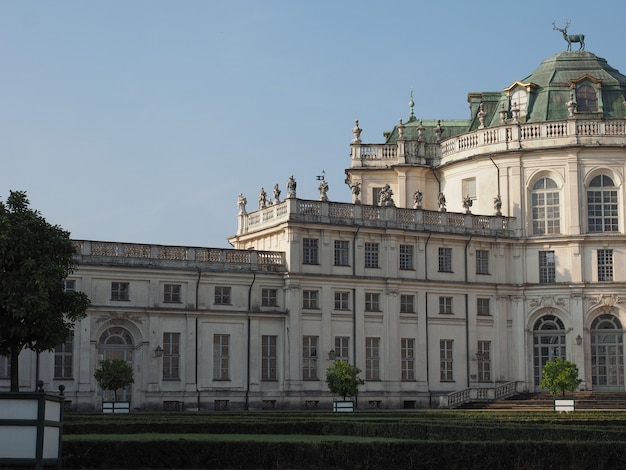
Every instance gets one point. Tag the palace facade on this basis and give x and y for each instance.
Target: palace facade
(472, 252)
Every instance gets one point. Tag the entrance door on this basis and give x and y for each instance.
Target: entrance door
(548, 344)
(116, 343)
(607, 353)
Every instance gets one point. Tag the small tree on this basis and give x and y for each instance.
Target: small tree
(342, 379)
(35, 258)
(559, 375)
(113, 375)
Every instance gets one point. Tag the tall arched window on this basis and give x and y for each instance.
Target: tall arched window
(586, 98)
(116, 343)
(602, 210)
(607, 353)
(548, 343)
(545, 206)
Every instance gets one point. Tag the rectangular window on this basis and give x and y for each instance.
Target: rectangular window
(407, 351)
(372, 302)
(342, 351)
(69, 285)
(310, 251)
(445, 260)
(171, 356)
(407, 303)
(482, 262)
(469, 187)
(605, 265)
(5, 367)
(445, 305)
(406, 257)
(221, 358)
(342, 300)
(483, 306)
(547, 267)
(309, 357)
(222, 295)
(372, 358)
(269, 357)
(310, 299)
(371, 255)
(269, 297)
(171, 293)
(342, 253)
(483, 357)
(63, 359)
(445, 360)
(376, 196)
(120, 291)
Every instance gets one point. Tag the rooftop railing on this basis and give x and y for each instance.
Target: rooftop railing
(97, 252)
(506, 137)
(298, 210)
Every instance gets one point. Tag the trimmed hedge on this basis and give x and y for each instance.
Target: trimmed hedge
(341, 455)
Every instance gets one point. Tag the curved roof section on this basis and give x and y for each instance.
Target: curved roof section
(548, 91)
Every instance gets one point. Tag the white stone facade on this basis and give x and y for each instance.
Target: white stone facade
(473, 299)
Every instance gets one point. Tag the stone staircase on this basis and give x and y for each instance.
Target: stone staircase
(544, 402)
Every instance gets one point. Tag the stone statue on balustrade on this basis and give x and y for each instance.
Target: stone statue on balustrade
(497, 204)
(276, 194)
(385, 197)
(262, 199)
(467, 204)
(323, 189)
(442, 202)
(356, 191)
(241, 203)
(291, 187)
(417, 199)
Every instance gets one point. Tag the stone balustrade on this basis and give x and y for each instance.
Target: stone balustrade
(96, 252)
(297, 210)
(507, 137)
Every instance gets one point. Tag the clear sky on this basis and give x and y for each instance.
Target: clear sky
(142, 120)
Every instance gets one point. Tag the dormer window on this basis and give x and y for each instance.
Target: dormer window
(586, 98)
(519, 101)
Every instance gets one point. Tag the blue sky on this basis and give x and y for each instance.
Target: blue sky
(141, 121)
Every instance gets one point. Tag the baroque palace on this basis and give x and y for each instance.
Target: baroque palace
(472, 252)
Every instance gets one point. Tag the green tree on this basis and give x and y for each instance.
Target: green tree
(342, 379)
(35, 258)
(114, 375)
(559, 375)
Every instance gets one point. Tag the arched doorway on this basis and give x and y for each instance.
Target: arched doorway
(116, 343)
(607, 353)
(548, 343)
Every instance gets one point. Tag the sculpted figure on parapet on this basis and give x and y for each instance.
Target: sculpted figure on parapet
(262, 199)
(276, 194)
(241, 203)
(417, 199)
(385, 197)
(291, 187)
(442, 202)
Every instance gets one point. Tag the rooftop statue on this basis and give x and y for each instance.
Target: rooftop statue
(241, 203)
(291, 187)
(570, 38)
(262, 199)
(385, 197)
(276, 194)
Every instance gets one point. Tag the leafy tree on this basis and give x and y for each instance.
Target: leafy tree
(559, 376)
(35, 257)
(342, 379)
(114, 374)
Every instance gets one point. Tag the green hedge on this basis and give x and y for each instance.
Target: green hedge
(341, 455)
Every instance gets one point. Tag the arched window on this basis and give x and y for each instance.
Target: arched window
(545, 205)
(586, 98)
(116, 343)
(548, 343)
(602, 205)
(519, 101)
(607, 353)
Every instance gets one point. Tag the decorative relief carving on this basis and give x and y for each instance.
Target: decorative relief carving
(607, 302)
(547, 302)
(117, 318)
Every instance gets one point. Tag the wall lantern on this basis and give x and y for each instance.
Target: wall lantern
(158, 352)
(579, 340)
(331, 355)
